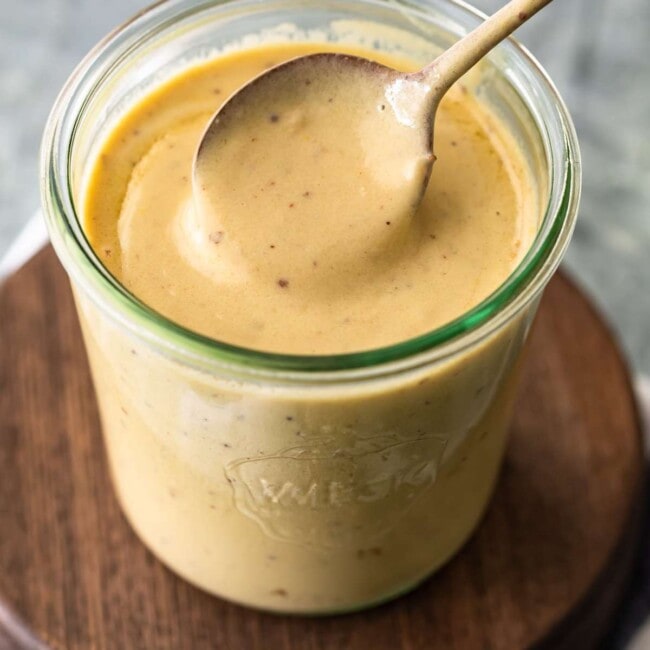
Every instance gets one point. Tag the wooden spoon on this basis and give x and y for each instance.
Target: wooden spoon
(339, 139)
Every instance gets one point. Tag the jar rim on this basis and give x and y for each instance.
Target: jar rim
(521, 287)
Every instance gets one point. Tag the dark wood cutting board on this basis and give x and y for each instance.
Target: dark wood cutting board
(545, 569)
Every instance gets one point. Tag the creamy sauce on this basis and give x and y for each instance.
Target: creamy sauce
(312, 497)
(271, 255)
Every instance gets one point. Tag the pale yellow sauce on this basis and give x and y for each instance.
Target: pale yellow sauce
(314, 497)
(296, 256)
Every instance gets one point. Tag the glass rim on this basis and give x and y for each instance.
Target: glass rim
(80, 261)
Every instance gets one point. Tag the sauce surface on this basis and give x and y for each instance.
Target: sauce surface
(280, 270)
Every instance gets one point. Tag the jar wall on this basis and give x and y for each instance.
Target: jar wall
(272, 492)
(312, 499)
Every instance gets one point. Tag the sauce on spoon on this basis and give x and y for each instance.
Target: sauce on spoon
(337, 151)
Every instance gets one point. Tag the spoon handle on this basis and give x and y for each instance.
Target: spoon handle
(460, 57)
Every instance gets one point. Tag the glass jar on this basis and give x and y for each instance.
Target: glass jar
(302, 484)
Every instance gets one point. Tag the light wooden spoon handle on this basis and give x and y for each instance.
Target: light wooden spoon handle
(460, 57)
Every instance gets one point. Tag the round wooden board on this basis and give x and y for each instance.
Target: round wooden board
(544, 570)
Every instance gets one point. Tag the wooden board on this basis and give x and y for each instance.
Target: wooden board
(545, 569)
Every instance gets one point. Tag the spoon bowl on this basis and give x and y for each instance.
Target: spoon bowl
(310, 120)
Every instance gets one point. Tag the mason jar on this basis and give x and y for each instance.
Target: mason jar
(304, 484)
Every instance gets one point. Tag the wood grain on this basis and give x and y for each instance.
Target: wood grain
(544, 570)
